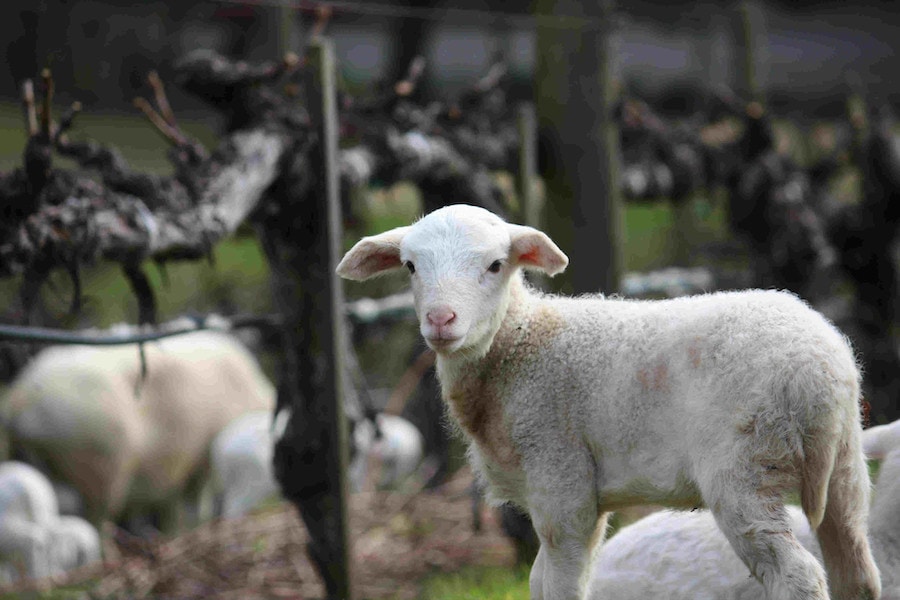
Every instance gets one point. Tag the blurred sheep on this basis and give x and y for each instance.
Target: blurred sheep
(241, 458)
(395, 449)
(35, 541)
(131, 443)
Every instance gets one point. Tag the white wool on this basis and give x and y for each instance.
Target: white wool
(684, 556)
(128, 443)
(242, 463)
(35, 541)
(578, 406)
(396, 455)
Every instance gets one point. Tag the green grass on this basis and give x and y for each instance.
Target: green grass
(479, 583)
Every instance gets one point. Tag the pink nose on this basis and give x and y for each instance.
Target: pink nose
(440, 316)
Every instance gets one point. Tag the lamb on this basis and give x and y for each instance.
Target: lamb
(241, 457)
(684, 556)
(575, 407)
(397, 453)
(243, 473)
(131, 445)
(35, 541)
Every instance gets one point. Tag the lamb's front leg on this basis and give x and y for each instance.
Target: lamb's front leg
(568, 537)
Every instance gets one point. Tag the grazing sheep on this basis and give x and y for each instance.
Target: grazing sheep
(243, 473)
(396, 454)
(35, 541)
(579, 406)
(684, 556)
(131, 444)
(241, 456)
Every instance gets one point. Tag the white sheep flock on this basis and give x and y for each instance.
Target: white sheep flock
(575, 407)
(683, 555)
(35, 540)
(133, 443)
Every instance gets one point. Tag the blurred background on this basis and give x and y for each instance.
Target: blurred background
(669, 53)
(754, 145)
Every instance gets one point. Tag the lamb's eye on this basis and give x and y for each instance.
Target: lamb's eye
(411, 267)
(495, 266)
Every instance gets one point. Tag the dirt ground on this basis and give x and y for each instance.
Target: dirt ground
(399, 539)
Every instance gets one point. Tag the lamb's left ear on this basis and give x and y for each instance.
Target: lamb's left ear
(532, 249)
(373, 255)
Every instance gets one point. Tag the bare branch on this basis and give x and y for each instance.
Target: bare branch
(46, 113)
(31, 124)
(160, 123)
(162, 101)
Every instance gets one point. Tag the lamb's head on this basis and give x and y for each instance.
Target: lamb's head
(461, 261)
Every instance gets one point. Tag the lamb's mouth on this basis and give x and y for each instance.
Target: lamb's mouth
(443, 344)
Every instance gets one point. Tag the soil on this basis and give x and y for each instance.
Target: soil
(399, 539)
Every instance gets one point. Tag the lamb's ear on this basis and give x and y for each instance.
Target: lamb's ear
(373, 255)
(532, 249)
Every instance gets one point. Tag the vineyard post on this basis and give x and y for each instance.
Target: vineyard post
(579, 141)
(526, 180)
(329, 331)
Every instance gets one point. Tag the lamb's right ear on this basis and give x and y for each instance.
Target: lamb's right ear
(533, 249)
(373, 255)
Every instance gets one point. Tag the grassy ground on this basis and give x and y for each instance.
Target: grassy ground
(479, 583)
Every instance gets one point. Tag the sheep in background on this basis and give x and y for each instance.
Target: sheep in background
(35, 541)
(395, 455)
(241, 456)
(578, 406)
(132, 444)
(684, 556)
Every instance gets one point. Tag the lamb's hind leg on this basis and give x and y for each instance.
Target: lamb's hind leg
(758, 528)
(842, 535)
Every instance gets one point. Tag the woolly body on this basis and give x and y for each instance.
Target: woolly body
(127, 443)
(684, 556)
(35, 541)
(396, 454)
(577, 406)
(243, 474)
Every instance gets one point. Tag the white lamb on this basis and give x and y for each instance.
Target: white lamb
(35, 541)
(130, 444)
(241, 457)
(396, 454)
(575, 407)
(243, 473)
(684, 556)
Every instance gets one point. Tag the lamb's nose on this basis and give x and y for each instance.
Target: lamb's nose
(440, 316)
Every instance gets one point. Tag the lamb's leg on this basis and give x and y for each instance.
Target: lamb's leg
(842, 535)
(758, 528)
(536, 579)
(560, 571)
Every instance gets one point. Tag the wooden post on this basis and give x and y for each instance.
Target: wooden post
(683, 230)
(329, 332)
(580, 141)
(302, 241)
(526, 178)
(754, 39)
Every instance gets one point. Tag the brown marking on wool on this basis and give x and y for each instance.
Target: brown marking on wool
(476, 400)
(747, 426)
(655, 379)
(694, 355)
